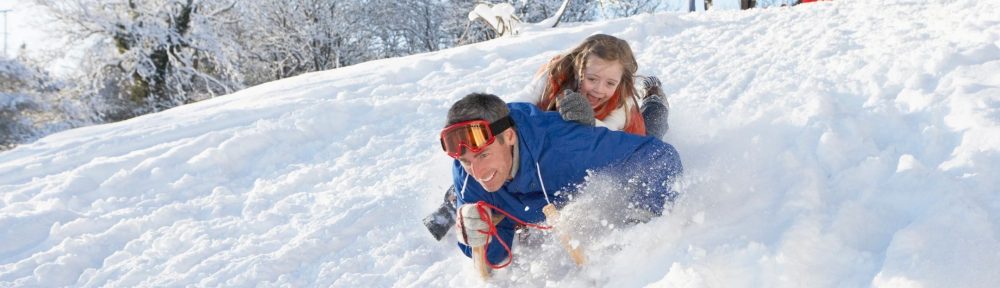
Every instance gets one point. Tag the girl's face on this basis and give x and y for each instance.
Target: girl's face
(600, 80)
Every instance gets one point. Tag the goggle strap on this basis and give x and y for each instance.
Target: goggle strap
(499, 126)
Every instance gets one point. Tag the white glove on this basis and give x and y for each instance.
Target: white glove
(469, 225)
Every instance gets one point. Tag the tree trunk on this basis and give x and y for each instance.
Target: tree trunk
(562, 9)
(180, 23)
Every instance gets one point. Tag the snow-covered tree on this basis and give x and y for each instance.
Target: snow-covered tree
(285, 38)
(30, 104)
(145, 56)
(404, 27)
(626, 8)
(534, 11)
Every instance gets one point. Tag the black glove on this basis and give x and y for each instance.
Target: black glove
(574, 108)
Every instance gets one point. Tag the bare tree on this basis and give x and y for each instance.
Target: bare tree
(279, 39)
(286, 38)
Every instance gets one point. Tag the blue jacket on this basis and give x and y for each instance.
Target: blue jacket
(564, 152)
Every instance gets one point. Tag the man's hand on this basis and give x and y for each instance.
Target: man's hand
(469, 225)
(575, 108)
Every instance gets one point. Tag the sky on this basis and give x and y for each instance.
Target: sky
(22, 27)
(838, 144)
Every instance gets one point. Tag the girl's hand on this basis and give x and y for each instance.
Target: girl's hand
(574, 108)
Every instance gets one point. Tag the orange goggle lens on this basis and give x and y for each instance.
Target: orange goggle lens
(473, 135)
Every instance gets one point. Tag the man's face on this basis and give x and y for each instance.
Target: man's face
(491, 167)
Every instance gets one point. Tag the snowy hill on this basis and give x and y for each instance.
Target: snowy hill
(835, 144)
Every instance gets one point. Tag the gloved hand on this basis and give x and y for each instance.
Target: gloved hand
(575, 108)
(469, 225)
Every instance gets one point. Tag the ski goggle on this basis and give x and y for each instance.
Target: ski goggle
(474, 135)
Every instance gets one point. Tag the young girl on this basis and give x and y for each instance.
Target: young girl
(602, 69)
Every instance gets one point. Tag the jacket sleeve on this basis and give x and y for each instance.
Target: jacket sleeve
(650, 165)
(655, 167)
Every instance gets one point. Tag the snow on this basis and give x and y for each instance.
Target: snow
(833, 144)
(500, 17)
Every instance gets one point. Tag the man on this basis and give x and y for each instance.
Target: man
(522, 159)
